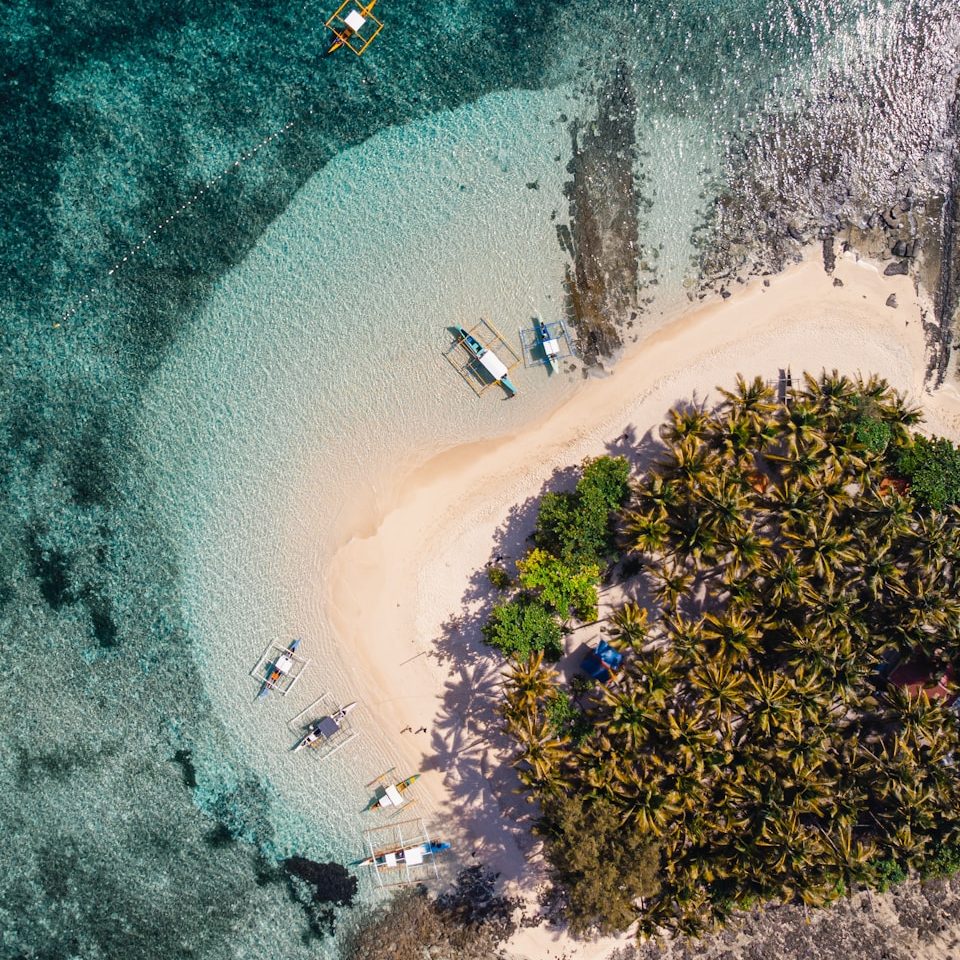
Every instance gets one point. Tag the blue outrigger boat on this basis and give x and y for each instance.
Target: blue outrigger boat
(489, 361)
(402, 856)
(549, 346)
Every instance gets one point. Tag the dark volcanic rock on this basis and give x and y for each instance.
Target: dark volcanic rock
(892, 300)
(837, 282)
(897, 269)
(604, 213)
(829, 253)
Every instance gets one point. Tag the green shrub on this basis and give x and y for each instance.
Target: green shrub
(944, 863)
(578, 526)
(888, 873)
(521, 626)
(560, 586)
(933, 468)
(603, 862)
(499, 578)
(874, 434)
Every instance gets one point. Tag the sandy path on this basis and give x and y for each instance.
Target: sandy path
(409, 598)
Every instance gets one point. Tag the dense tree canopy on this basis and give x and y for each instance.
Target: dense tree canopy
(753, 739)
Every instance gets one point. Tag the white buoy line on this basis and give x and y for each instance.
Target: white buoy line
(248, 154)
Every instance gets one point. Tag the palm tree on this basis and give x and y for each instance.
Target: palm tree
(691, 421)
(628, 627)
(718, 688)
(735, 635)
(672, 582)
(825, 548)
(754, 399)
(832, 393)
(630, 719)
(527, 684)
(541, 754)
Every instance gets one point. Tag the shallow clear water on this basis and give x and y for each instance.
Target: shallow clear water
(177, 425)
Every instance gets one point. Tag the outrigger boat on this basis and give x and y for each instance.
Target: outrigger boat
(324, 728)
(489, 361)
(280, 668)
(549, 346)
(353, 22)
(392, 795)
(403, 856)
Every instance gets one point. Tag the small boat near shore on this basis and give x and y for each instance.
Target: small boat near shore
(324, 729)
(490, 362)
(391, 795)
(549, 346)
(403, 856)
(285, 668)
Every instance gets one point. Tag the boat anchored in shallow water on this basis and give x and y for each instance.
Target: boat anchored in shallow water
(547, 343)
(391, 795)
(353, 26)
(483, 368)
(325, 730)
(282, 666)
(403, 856)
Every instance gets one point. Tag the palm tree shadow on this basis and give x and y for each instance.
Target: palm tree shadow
(472, 751)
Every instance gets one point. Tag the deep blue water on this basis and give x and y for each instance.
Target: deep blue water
(133, 825)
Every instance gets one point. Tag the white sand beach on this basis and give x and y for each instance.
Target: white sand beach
(408, 599)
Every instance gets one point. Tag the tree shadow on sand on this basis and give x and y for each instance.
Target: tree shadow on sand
(469, 745)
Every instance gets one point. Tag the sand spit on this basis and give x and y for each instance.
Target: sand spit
(407, 600)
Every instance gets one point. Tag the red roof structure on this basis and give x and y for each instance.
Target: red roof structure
(918, 676)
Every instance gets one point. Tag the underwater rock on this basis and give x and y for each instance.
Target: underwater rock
(318, 888)
(604, 215)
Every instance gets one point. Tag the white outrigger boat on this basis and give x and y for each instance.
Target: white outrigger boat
(549, 345)
(403, 856)
(391, 794)
(279, 668)
(325, 728)
(490, 362)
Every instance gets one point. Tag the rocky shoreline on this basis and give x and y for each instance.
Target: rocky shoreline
(868, 163)
(604, 233)
(913, 921)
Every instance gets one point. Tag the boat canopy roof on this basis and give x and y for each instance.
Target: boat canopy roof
(494, 365)
(354, 20)
(392, 794)
(413, 855)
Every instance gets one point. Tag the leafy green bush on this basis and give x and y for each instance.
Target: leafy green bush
(933, 468)
(578, 526)
(874, 434)
(603, 863)
(887, 873)
(944, 863)
(565, 717)
(499, 577)
(560, 586)
(521, 626)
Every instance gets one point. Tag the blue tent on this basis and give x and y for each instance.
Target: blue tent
(602, 663)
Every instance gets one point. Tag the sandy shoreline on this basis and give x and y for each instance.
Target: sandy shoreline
(406, 595)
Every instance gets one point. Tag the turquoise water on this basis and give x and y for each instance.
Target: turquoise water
(175, 431)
